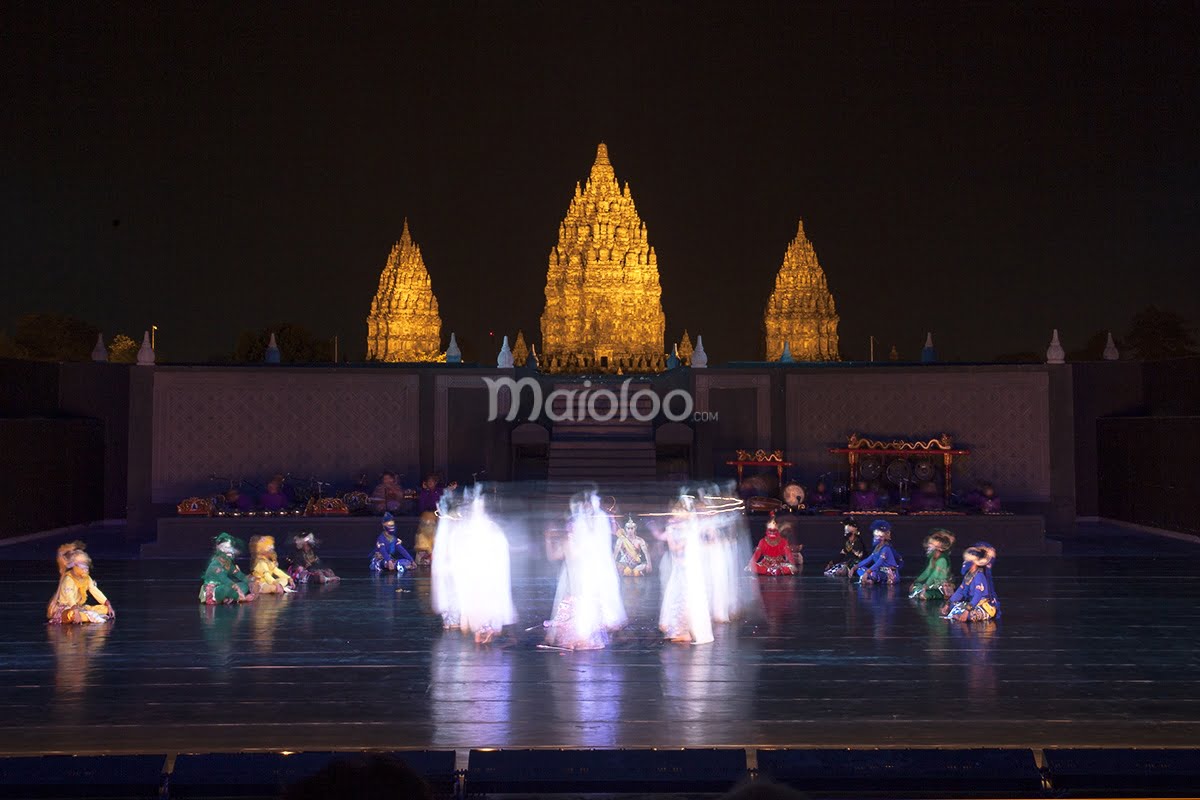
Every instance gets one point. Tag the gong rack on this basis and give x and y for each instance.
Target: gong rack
(868, 456)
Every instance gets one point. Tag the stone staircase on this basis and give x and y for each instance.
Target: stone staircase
(588, 450)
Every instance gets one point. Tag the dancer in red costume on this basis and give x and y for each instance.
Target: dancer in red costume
(773, 556)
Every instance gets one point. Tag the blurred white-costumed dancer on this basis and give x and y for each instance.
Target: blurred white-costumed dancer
(587, 605)
(720, 534)
(686, 615)
(472, 585)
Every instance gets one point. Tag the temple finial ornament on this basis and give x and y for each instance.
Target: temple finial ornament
(928, 354)
(145, 356)
(699, 357)
(505, 359)
(272, 356)
(520, 350)
(603, 309)
(1110, 349)
(685, 349)
(673, 359)
(786, 356)
(801, 309)
(403, 324)
(453, 354)
(100, 352)
(1055, 353)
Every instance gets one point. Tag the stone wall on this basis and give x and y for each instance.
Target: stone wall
(1000, 414)
(253, 422)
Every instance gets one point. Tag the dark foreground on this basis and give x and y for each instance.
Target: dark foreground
(1092, 650)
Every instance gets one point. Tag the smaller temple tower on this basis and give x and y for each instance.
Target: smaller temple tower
(403, 324)
(801, 310)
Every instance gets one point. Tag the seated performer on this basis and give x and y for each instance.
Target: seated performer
(989, 503)
(431, 493)
(820, 497)
(926, 498)
(223, 582)
(934, 583)
(389, 554)
(773, 556)
(630, 553)
(265, 575)
(863, 499)
(883, 565)
(852, 551)
(426, 536)
(273, 499)
(388, 496)
(306, 565)
(64, 552)
(975, 600)
(69, 605)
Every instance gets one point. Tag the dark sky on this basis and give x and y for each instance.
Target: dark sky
(984, 171)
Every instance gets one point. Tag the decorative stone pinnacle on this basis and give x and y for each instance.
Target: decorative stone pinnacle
(100, 352)
(145, 356)
(699, 357)
(453, 354)
(1055, 353)
(272, 356)
(505, 359)
(1110, 349)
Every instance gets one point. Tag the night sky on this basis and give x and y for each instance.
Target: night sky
(984, 171)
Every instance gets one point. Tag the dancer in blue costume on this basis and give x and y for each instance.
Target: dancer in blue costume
(884, 563)
(975, 600)
(390, 554)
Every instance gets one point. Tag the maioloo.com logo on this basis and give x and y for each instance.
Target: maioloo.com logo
(591, 405)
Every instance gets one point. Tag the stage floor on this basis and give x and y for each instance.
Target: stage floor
(1091, 651)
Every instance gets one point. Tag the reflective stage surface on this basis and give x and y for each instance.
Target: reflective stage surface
(1091, 650)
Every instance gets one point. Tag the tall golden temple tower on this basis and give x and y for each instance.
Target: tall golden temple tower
(404, 324)
(603, 299)
(801, 309)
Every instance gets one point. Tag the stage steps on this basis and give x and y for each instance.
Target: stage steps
(583, 449)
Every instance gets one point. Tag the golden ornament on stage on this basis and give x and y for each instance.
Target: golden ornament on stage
(603, 298)
(801, 310)
(404, 324)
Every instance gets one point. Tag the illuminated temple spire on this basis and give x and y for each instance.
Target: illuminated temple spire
(603, 299)
(801, 309)
(404, 324)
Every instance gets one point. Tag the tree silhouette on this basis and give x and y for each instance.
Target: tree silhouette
(1157, 333)
(123, 350)
(297, 345)
(49, 336)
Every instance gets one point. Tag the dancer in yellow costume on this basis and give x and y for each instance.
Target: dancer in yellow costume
(266, 577)
(69, 605)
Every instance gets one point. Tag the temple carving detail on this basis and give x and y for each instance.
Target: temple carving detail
(801, 312)
(603, 308)
(403, 324)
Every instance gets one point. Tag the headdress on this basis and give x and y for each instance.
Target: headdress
(387, 517)
(772, 524)
(78, 558)
(939, 539)
(261, 544)
(630, 524)
(301, 539)
(883, 528)
(850, 522)
(225, 538)
(981, 554)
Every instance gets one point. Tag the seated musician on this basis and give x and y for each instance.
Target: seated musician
(388, 496)
(273, 499)
(926, 498)
(820, 497)
(989, 502)
(864, 498)
(431, 492)
(236, 501)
